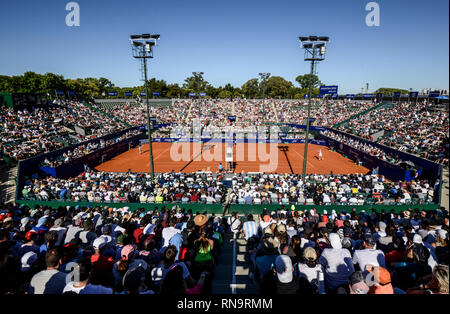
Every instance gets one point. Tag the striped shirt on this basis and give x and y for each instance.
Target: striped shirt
(250, 228)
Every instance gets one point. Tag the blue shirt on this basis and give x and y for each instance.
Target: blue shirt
(176, 240)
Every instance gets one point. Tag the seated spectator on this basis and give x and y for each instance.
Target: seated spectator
(82, 285)
(50, 280)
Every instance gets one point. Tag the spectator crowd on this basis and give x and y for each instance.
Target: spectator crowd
(107, 251)
(410, 127)
(209, 188)
(296, 252)
(28, 132)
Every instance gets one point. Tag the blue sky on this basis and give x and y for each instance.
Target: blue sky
(231, 41)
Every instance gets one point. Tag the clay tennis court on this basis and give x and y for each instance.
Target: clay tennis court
(193, 157)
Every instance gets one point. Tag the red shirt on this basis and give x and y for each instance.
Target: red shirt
(101, 265)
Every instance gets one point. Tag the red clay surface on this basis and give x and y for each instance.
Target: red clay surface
(283, 159)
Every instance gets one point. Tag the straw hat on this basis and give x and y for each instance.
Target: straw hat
(200, 220)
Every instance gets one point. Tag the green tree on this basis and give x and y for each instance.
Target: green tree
(251, 88)
(225, 94)
(194, 83)
(174, 91)
(390, 91)
(307, 80)
(276, 86)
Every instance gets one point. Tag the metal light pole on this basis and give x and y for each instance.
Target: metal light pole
(142, 47)
(315, 48)
(264, 77)
(198, 77)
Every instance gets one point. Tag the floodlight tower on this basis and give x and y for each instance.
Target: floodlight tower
(142, 47)
(264, 77)
(315, 48)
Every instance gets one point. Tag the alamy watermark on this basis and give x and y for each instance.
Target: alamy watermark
(73, 17)
(373, 17)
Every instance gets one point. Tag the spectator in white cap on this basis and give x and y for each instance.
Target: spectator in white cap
(337, 263)
(102, 265)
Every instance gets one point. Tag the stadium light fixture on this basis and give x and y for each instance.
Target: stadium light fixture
(142, 48)
(315, 49)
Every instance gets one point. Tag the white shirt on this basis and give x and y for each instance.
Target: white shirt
(369, 257)
(168, 233)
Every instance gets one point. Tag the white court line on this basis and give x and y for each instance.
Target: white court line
(233, 281)
(307, 162)
(161, 153)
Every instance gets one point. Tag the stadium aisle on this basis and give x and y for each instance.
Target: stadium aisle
(232, 261)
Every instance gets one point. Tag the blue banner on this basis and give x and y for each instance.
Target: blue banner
(335, 96)
(191, 94)
(59, 93)
(156, 94)
(413, 94)
(328, 89)
(232, 118)
(71, 93)
(306, 96)
(397, 94)
(128, 94)
(143, 94)
(434, 94)
(368, 96)
(202, 94)
(350, 96)
(112, 93)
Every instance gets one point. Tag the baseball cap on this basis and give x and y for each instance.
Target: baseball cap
(283, 265)
(310, 254)
(281, 228)
(381, 275)
(128, 251)
(24, 221)
(58, 222)
(29, 234)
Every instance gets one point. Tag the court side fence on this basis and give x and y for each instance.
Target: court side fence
(242, 209)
